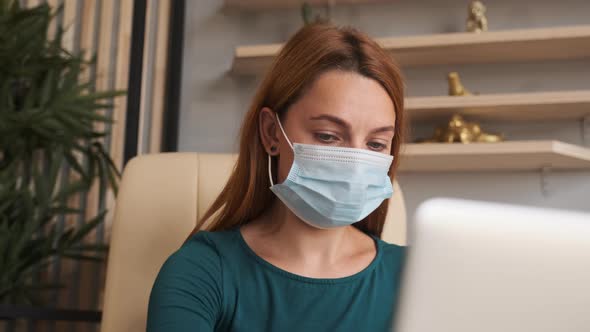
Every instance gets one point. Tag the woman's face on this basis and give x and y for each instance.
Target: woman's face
(340, 109)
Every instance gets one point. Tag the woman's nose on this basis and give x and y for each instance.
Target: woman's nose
(357, 143)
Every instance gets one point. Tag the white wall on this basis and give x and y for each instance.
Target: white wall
(213, 102)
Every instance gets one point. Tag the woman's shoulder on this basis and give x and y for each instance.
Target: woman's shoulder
(392, 253)
(203, 250)
(191, 277)
(211, 238)
(391, 248)
(208, 243)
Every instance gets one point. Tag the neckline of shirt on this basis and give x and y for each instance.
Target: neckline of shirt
(266, 264)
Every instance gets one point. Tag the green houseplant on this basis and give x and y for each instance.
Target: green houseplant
(48, 117)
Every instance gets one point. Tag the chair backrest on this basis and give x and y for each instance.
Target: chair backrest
(159, 200)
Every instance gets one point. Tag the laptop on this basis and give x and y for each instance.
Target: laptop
(492, 267)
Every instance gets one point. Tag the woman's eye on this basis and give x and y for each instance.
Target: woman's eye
(376, 146)
(326, 138)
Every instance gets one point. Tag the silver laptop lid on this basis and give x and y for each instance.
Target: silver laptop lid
(475, 266)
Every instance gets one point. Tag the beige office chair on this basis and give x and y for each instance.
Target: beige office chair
(160, 198)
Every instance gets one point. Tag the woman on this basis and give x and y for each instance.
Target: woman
(321, 136)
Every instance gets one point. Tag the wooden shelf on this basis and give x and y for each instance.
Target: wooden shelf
(570, 42)
(504, 156)
(555, 105)
(277, 4)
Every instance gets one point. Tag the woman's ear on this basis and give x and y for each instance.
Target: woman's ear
(268, 131)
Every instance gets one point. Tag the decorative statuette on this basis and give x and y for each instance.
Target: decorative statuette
(456, 88)
(458, 130)
(477, 21)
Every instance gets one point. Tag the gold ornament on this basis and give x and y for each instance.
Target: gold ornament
(458, 130)
(456, 88)
(477, 21)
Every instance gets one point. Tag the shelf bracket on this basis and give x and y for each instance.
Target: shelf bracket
(586, 130)
(545, 172)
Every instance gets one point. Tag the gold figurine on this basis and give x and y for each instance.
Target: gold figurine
(456, 88)
(458, 130)
(477, 21)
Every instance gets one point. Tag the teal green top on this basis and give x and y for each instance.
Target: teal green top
(216, 282)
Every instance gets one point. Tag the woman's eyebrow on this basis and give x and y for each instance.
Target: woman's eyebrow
(334, 119)
(382, 129)
(346, 125)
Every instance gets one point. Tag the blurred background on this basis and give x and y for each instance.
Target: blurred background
(179, 76)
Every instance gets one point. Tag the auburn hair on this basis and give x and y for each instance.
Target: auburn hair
(311, 51)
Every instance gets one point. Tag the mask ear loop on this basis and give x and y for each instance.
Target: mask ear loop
(269, 172)
(283, 130)
(269, 159)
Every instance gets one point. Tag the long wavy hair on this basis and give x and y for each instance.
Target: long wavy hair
(311, 51)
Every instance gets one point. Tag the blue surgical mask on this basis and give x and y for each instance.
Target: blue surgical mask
(331, 186)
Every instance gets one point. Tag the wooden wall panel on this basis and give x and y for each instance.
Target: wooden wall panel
(103, 28)
(154, 76)
(159, 77)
